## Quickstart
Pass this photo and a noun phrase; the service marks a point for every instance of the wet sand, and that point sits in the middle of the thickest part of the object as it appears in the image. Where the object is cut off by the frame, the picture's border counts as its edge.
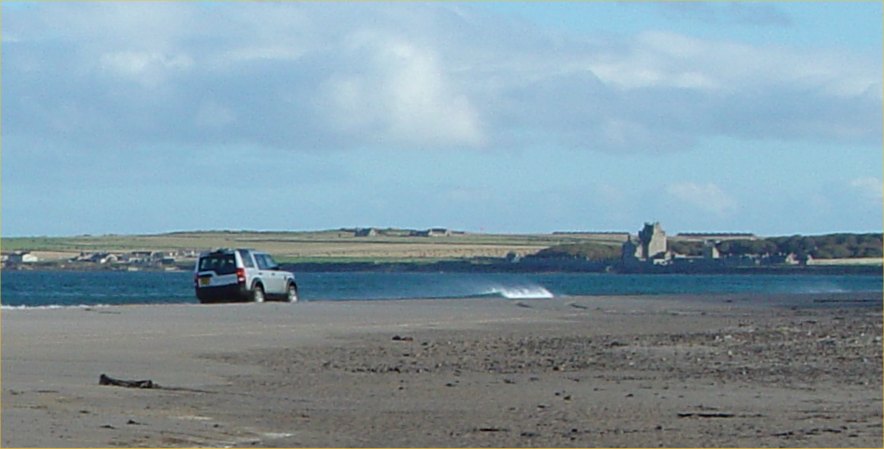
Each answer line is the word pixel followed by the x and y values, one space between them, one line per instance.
pixel 580 371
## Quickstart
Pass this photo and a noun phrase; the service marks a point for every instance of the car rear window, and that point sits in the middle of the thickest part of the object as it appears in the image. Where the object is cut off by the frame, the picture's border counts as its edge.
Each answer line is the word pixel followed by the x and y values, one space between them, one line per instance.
pixel 246 257
pixel 219 263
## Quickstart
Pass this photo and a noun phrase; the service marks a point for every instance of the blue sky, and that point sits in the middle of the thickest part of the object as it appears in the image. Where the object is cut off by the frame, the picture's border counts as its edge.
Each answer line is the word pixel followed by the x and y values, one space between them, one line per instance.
pixel 149 117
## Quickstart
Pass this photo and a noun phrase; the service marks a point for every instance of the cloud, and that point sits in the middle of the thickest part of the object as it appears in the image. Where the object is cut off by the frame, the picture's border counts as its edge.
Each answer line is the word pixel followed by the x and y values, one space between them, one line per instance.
pixel 656 59
pixel 403 96
pixel 308 77
pixel 145 68
pixel 869 188
pixel 706 197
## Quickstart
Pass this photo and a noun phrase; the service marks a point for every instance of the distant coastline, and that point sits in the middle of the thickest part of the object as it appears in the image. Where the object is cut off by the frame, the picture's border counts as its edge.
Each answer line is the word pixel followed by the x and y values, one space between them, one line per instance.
pixel 649 251
pixel 490 266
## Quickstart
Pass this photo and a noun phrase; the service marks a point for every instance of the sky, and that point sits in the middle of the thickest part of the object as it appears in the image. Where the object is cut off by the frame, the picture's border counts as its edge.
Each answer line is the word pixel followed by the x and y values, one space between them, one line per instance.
pixel 152 117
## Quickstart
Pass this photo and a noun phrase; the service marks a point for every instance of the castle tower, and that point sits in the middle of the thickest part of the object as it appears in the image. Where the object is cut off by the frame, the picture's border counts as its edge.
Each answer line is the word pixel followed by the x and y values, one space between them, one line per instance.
pixel 652 239
pixel 710 251
pixel 630 253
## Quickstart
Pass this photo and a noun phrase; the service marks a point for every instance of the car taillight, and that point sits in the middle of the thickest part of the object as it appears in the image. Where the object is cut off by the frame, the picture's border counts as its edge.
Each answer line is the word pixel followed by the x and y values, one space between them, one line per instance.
pixel 241 275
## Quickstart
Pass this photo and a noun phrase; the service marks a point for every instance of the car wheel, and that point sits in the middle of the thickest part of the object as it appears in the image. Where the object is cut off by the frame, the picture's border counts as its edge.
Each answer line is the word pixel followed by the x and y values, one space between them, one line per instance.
pixel 291 293
pixel 258 293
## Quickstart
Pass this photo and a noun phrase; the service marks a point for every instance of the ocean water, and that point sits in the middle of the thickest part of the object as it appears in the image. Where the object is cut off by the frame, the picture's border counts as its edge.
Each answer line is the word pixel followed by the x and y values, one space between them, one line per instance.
pixel 66 288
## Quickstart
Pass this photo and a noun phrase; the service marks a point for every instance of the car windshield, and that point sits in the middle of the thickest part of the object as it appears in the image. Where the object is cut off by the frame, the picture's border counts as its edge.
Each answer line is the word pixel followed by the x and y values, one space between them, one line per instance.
pixel 219 263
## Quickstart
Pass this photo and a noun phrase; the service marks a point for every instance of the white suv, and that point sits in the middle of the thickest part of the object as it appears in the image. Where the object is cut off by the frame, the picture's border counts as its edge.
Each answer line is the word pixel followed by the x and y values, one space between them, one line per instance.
pixel 227 275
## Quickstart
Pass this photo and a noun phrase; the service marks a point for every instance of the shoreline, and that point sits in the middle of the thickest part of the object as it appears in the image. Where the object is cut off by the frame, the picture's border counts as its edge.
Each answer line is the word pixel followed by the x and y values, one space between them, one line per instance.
pixel 568 371
pixel 754 299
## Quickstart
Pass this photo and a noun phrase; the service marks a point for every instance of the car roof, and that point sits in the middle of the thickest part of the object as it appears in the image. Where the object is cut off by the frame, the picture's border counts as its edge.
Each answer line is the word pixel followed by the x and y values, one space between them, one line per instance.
pixel 226 251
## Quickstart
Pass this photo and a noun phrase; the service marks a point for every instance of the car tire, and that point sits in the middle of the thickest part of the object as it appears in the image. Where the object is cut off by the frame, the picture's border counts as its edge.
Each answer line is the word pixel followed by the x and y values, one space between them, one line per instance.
pixel 258 294
pixel 291 293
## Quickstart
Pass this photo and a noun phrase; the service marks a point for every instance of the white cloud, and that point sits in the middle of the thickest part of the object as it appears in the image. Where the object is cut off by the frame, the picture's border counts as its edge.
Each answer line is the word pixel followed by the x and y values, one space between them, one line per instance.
pixel 267 53
pixel 869 187
pixel 425 106
pixel 707 197
pixel 146 68
pixel 656 59
pixel 403 94
pixel 666 59
pixel 302 76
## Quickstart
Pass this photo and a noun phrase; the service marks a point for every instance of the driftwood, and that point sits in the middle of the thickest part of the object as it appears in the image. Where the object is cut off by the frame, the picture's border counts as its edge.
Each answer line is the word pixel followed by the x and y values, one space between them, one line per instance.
pixel 107 380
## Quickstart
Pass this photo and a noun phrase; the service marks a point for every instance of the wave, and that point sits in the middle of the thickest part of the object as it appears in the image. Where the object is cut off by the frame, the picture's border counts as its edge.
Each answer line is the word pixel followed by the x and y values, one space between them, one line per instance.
pixel 506 292
pixel 532 292
pixel 819 288
pixel 53 306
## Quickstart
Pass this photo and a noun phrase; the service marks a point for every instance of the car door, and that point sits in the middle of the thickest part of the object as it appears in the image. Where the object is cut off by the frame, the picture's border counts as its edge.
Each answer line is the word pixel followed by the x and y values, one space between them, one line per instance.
pixel 279 284
pixel 274 282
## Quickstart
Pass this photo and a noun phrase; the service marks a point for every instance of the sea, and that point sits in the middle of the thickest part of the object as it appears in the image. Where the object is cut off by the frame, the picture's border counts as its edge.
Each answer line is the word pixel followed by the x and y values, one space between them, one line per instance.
pixel 52 289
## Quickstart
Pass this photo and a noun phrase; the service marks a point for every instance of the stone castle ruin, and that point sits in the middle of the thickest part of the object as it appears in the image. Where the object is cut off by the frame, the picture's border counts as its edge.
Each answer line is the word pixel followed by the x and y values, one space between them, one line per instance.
pixel 648 251
pixel 650 245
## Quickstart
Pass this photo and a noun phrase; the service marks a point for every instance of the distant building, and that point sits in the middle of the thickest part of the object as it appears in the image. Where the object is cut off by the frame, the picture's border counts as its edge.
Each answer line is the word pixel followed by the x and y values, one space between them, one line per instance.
pixel 710 250
pixel 784 259
pixel 629 252
pixel 651 246
pixel 434 232
pixel 653 241
pixel 365 232
pixel 21 257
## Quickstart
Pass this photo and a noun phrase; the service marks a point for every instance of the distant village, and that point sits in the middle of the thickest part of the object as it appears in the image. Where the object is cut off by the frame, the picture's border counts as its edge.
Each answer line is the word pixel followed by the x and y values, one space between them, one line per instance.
pixel 432 232
pixel 172 260
pixel 132 261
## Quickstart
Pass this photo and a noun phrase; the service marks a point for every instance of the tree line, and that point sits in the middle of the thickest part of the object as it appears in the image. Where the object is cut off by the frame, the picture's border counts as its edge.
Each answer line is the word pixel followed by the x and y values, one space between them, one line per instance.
pixel 828 246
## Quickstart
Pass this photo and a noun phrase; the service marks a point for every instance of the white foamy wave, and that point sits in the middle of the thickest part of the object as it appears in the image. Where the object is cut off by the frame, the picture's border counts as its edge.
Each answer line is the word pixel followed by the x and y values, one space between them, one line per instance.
pixel 53 306
pixel 820 288
pixel 533 292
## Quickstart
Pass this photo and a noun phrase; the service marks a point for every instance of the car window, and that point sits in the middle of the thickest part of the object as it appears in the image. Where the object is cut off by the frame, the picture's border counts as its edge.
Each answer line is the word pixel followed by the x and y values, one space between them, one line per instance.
pixel 221 264
pixel 262 261
pixel 265 262
pixel 246 257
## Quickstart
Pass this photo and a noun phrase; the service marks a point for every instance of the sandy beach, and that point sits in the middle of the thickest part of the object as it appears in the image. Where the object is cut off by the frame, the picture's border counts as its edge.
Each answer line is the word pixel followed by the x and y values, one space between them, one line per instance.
pixel 577 371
